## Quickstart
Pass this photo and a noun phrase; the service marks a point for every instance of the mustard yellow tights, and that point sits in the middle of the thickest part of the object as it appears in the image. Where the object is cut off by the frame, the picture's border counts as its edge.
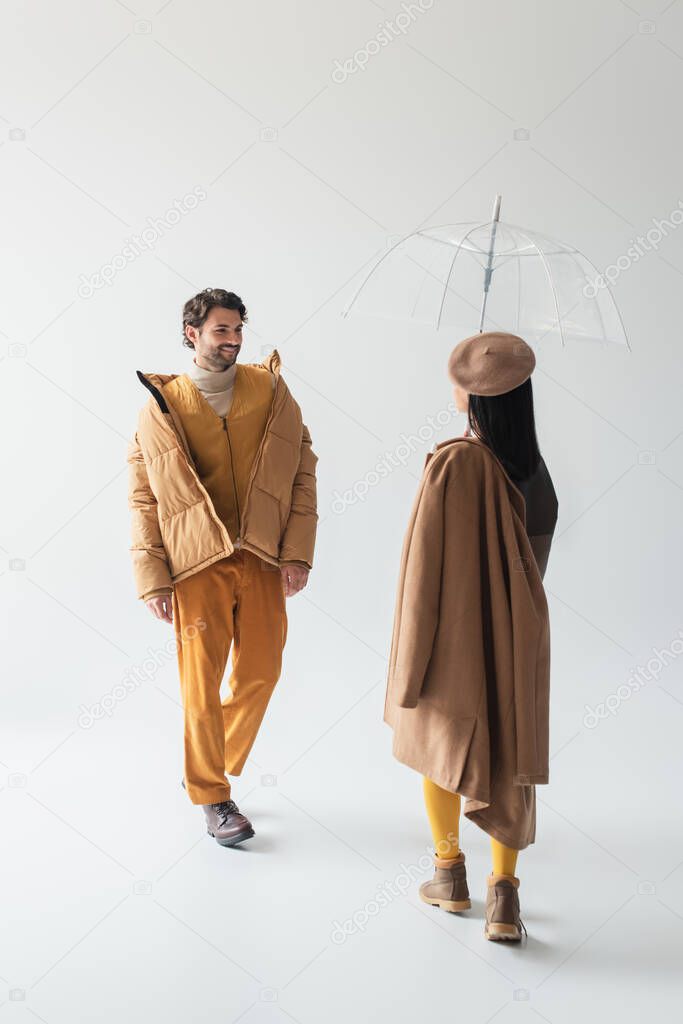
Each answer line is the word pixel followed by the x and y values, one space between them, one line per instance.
pixel 443 811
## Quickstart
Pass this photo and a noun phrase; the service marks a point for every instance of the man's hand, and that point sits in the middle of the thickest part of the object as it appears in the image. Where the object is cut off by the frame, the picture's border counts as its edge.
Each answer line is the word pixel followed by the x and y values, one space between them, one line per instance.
pixel 294 578
pixel 162 607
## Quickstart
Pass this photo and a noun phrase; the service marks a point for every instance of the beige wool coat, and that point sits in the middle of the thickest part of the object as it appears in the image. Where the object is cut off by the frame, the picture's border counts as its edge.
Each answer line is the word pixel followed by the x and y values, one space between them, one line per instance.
pixel 469 667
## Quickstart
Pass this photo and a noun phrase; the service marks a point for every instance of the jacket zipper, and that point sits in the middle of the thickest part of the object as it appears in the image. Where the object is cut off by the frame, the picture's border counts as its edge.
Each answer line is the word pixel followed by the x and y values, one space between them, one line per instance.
pixel 234 482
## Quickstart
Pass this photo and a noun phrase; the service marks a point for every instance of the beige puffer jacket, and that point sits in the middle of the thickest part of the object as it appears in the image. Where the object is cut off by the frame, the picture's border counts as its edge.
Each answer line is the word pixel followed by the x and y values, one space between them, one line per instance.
pixel 175 529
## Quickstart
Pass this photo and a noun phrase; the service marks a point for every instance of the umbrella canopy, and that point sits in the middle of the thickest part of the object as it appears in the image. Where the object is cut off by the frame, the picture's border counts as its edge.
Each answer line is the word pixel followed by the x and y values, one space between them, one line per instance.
pixel 491 276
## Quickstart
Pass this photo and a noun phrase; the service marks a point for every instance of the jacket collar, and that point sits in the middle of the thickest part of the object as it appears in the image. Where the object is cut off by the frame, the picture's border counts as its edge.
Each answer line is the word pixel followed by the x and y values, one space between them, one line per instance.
pixel 154 382
pixel 147 381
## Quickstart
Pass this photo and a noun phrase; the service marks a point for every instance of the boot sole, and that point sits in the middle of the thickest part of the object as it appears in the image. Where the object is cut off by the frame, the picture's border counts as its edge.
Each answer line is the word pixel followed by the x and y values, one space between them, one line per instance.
pixel 502 933
pixel 453 906
pixel 234 840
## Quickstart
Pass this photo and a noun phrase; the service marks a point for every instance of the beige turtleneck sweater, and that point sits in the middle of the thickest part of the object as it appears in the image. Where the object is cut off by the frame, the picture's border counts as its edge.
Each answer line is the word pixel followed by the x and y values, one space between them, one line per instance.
pixel 216 386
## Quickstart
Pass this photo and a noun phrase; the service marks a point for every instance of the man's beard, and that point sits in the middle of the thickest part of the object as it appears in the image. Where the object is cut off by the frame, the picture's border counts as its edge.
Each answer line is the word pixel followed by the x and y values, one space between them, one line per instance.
pixel 223 360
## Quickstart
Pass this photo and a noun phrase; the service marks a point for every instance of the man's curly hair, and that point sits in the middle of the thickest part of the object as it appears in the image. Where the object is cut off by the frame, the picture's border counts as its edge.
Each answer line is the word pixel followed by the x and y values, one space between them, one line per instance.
pixel 197 309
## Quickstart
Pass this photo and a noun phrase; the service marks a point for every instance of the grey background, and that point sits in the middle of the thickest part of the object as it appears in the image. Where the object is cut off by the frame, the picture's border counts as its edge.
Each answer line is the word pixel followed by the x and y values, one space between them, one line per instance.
pixel 114 901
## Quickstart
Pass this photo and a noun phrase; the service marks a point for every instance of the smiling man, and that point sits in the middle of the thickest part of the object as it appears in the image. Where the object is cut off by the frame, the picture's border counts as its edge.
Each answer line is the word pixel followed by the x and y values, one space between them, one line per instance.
pixel 223 499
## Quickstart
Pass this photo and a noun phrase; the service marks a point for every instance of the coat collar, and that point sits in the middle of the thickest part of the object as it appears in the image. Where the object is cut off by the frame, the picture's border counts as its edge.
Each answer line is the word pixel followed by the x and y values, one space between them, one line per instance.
pixel 518 497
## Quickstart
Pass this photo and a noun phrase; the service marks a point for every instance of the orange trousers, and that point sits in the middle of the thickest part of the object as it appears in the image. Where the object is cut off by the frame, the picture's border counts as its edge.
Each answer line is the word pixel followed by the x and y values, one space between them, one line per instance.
pixel 238 601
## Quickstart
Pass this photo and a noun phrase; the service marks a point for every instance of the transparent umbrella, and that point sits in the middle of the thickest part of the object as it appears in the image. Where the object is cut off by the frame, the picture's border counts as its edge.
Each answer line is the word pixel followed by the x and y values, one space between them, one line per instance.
pixel 491 276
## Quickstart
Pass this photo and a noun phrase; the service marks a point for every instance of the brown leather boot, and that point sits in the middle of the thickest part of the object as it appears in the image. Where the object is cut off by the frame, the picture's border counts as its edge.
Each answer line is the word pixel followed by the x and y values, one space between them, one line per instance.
pixel 225 823
pixel 448 888
pixel 503 922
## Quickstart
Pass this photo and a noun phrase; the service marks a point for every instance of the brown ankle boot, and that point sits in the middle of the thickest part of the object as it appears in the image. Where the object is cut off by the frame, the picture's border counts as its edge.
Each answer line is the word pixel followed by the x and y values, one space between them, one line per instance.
pixel 225 823
pixel 502 909
pixel 448 888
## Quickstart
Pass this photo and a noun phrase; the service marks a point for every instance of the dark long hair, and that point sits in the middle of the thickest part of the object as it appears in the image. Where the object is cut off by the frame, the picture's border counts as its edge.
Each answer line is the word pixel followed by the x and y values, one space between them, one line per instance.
pixel 506 424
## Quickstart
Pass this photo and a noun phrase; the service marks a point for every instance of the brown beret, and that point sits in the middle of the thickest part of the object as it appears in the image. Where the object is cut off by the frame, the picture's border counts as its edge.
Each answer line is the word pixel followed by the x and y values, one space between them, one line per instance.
pixel 491 363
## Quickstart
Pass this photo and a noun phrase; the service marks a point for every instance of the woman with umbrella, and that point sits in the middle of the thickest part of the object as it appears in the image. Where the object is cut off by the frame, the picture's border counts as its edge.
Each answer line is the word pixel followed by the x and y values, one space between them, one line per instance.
pixel 468 683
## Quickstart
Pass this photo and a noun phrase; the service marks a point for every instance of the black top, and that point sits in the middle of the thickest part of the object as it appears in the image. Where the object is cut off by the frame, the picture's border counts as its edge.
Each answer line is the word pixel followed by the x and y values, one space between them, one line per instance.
pixel 541 512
